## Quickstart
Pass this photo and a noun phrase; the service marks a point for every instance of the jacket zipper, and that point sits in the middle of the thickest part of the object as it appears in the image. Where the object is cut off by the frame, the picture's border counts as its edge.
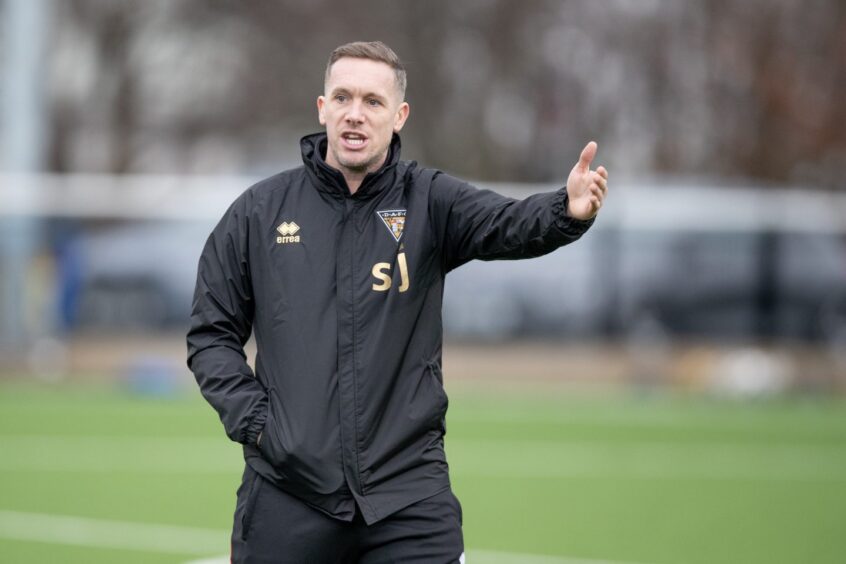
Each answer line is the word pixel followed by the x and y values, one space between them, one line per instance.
pixel 350 209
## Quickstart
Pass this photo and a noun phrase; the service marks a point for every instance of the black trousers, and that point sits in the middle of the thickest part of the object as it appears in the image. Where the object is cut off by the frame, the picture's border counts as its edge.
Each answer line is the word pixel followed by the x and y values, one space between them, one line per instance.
pixel 274 527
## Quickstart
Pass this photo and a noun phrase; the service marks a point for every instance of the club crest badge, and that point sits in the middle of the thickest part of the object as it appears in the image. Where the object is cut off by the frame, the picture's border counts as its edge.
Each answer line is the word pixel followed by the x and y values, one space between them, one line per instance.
pixel 394 220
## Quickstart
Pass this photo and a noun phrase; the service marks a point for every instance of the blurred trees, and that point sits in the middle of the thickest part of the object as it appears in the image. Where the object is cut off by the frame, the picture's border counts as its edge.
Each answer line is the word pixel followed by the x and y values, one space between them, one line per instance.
pixel 500 90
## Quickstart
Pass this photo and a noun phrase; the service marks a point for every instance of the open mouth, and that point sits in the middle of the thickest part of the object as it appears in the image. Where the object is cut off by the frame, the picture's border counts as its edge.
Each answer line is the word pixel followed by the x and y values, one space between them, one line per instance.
pixel 353 140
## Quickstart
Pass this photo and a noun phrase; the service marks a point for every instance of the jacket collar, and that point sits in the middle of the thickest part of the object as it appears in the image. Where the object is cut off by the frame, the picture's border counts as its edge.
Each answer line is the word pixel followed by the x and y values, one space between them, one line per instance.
pixel 331 180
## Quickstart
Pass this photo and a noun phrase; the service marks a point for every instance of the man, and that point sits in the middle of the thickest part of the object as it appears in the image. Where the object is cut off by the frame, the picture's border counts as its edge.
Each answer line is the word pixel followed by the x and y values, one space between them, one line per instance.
pixel 338 267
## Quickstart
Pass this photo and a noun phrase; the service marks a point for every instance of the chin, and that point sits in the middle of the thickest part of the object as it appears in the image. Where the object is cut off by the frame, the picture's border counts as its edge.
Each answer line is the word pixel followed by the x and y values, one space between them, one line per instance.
pixel 357 165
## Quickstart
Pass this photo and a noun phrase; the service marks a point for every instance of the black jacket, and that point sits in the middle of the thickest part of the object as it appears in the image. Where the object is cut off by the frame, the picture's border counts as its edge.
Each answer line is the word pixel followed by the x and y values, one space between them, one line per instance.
pixel 344 295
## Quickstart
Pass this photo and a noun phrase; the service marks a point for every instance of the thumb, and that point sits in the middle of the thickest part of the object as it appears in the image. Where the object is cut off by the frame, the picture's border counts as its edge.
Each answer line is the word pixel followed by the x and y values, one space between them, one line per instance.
pixel 588 153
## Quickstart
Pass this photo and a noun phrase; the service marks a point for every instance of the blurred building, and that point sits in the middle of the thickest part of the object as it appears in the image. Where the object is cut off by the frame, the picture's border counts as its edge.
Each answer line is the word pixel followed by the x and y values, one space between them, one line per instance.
pixel 128 126
pixel 499 91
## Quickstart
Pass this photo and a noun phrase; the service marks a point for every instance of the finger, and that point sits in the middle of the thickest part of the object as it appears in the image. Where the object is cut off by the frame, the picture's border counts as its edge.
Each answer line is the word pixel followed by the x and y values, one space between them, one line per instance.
pixel 595 204
pixel 599 181
pixel 602 172
pixel 596 191
pixel 588 153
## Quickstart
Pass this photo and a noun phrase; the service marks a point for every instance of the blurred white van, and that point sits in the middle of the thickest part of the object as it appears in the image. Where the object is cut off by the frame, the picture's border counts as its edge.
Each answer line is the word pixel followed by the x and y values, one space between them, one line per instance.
pixel 674 257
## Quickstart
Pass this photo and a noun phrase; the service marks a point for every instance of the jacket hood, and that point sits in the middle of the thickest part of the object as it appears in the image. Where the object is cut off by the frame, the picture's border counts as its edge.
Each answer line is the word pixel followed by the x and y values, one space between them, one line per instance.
pixel 331 180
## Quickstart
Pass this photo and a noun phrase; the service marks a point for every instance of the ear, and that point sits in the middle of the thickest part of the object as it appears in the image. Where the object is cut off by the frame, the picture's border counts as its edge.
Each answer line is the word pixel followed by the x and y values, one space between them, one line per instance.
pixel 321 106
pixel 401 115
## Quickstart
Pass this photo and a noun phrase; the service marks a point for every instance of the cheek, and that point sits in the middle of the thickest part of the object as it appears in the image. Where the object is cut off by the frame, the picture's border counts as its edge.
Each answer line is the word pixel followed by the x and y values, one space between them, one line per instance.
pixel 388 125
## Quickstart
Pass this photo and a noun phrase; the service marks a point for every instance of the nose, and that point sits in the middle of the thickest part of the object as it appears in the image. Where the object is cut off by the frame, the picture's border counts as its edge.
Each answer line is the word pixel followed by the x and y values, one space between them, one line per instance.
pixel 355 116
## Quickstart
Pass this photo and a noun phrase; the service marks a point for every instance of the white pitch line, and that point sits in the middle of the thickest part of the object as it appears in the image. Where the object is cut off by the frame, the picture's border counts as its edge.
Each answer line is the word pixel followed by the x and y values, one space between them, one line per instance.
pixel 497 557
pixel 106 533
pixel 552 459
pixel 485 557
pixel 148 537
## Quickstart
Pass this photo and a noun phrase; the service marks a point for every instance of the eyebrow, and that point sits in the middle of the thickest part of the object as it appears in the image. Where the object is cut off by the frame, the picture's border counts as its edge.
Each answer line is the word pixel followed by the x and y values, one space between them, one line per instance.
pixel 343 90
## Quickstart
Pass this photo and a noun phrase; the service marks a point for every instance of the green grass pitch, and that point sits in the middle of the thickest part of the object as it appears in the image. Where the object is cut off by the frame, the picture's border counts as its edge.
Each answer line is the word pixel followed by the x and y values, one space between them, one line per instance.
pixel 654 479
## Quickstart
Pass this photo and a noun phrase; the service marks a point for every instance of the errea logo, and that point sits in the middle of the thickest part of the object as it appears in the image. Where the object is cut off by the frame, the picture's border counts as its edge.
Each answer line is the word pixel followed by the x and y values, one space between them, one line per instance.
pixel 288 232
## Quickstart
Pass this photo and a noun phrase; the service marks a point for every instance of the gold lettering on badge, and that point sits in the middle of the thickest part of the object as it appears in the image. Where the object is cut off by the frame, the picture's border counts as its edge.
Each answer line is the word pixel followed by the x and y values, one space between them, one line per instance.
pixel 378 273
pixel 381 271
pixel 403 272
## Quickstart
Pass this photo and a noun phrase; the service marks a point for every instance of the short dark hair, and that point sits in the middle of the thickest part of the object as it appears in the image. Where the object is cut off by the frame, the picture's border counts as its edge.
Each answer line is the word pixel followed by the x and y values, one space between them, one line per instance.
pixel 375 51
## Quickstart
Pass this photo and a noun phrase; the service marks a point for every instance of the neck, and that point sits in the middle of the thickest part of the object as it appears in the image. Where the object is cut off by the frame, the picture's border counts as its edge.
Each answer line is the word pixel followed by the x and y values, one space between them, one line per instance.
pixel 353 178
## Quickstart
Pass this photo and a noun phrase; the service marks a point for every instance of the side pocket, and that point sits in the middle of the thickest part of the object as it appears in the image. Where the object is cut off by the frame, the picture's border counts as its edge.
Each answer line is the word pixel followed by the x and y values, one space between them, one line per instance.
pixel 266 442
pixel 460 509
pixel 270 447
pixel 443 400
pixel 250 505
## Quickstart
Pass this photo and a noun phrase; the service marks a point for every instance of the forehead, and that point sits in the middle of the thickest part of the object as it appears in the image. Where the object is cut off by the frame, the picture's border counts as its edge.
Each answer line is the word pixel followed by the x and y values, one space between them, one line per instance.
pixel 362 75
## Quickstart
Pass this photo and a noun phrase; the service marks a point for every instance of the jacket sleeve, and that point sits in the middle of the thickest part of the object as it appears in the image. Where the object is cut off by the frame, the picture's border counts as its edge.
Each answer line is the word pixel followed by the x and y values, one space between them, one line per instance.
pixel 482 224
pixel 220 325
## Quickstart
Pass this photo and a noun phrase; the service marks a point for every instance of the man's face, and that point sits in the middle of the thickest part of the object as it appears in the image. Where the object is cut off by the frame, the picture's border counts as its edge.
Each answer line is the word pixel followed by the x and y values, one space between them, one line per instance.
pixel 361 110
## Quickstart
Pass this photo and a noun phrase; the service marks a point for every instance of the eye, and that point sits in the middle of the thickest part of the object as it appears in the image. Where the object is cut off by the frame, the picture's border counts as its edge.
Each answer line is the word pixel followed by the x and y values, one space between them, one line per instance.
pixel 340 97
pixel 374 102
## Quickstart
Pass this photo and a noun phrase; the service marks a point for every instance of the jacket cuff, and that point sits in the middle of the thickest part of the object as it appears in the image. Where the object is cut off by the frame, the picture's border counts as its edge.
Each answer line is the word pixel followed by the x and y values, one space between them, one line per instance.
pixel 563 221
pixel 257 419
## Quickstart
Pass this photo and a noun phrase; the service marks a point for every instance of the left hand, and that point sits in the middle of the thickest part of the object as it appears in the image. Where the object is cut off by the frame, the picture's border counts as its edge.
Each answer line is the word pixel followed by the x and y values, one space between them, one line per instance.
pixel 586 188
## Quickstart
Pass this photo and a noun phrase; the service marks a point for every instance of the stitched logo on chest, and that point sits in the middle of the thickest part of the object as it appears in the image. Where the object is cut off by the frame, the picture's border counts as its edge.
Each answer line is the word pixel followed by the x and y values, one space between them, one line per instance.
pixel 288 232
pixel 394 220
